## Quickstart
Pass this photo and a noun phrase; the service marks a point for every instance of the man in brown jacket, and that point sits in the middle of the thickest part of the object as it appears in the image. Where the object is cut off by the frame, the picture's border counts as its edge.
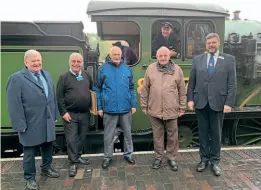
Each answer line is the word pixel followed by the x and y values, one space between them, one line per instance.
pixel 163 98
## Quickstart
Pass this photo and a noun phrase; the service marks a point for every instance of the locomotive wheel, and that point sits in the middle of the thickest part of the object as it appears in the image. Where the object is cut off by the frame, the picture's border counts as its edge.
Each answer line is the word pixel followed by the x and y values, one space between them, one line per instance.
pixel 246 132
pixel 188 135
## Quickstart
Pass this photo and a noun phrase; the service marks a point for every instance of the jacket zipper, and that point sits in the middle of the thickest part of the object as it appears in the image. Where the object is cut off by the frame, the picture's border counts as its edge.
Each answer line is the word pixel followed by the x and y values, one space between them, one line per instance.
pixel 162 96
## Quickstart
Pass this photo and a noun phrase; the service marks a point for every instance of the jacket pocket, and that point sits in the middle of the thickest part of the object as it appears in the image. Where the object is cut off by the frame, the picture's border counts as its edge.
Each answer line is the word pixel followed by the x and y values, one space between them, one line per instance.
pixel 223 96
pixel 195 95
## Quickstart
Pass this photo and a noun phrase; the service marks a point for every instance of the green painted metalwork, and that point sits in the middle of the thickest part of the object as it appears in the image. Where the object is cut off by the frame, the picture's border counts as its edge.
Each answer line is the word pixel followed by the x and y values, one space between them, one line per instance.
pixel 54 62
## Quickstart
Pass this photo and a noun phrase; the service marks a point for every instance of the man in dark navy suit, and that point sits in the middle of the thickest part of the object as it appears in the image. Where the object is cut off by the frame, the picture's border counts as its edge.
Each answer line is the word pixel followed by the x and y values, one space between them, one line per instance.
pixel 211 91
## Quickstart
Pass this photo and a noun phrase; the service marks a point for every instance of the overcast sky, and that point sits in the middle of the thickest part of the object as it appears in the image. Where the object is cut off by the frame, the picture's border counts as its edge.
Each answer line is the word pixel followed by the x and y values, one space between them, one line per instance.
pixel 75 10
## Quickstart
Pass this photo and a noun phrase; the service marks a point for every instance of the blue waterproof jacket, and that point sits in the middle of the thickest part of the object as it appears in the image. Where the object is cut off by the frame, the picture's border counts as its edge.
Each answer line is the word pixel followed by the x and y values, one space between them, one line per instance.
pixel 115 88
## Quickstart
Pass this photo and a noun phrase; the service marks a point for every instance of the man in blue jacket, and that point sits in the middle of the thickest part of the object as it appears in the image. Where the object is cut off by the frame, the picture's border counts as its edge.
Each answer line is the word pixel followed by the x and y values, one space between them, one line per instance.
pixel 116 99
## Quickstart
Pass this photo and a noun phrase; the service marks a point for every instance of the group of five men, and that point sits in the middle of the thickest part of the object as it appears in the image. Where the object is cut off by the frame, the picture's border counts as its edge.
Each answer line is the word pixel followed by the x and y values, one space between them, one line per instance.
pixel 34 106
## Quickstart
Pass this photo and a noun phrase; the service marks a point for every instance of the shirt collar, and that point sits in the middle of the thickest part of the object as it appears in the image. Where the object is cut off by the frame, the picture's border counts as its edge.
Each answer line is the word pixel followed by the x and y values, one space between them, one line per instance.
pixel 33 73
pixel 80 73
pixel 215 54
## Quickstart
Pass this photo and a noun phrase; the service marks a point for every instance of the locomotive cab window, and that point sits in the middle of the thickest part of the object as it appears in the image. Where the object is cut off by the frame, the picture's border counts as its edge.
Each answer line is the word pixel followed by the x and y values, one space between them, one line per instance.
pixel 125 35
pixel 196 37
pixel 165 33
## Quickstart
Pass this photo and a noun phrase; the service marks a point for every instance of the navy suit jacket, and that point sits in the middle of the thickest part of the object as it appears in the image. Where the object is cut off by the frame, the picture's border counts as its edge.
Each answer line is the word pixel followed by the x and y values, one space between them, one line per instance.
pixel 217 90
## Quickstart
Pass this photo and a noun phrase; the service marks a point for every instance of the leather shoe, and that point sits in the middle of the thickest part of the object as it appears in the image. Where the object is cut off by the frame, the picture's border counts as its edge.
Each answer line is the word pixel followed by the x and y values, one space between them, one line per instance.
pixel 83 161
pixel 130 160
pixel 50 173
pixel 156 164
pixel 106 162
pixel 173 165
pixel 216 170
pixel 31 185
pixel 202 166
pixel 73 170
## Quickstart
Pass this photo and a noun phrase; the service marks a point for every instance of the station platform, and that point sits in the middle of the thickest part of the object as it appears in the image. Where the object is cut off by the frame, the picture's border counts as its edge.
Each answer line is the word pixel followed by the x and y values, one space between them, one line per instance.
pixel 241 170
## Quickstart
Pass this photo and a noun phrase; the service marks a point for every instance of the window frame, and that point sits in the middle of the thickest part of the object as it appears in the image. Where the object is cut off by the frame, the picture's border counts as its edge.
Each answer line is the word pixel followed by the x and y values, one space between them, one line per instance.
pixel 195 21
pixel 179 21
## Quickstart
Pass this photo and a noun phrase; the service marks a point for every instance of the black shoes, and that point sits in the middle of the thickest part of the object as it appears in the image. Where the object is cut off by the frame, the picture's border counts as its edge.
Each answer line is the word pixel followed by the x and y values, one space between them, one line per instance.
pixel 130 160
pixel 73 170
pixel 202 166
pixel 173 165
pixel 106 162
pixel 83 161
pixel 216 169
pixel 31 185
pixel 50 173
pixel 156 164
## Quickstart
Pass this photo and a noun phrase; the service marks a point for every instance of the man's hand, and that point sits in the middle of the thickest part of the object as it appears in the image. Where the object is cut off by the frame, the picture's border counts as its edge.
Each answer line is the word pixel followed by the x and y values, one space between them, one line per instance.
pixel 67 117
pixel 181 113
pixel 133 110
pixel 173 53
pixel 100 113
pixel 191 105
pixel 227 109
pixel 21 131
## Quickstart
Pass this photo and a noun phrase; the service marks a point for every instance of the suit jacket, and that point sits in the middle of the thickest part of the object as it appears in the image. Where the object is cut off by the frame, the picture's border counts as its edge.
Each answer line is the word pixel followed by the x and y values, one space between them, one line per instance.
pixel 30 109
pixel 217 90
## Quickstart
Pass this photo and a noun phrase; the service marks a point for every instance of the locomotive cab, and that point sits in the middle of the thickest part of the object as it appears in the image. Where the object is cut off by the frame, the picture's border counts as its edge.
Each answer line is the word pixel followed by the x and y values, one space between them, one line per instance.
pixel 139 23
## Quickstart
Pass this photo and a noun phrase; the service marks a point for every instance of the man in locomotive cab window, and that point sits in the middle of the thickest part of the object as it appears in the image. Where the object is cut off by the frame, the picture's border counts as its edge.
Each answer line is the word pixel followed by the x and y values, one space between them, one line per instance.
pixel 33 111
pixel 211 92
pixel 166 38
pixel 128 54
pixel 74 102
pixel 163 99
pixel 116 101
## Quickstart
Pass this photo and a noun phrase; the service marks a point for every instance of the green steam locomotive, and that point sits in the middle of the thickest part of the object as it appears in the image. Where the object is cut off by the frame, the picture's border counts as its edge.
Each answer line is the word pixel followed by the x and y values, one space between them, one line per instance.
pixel 137 23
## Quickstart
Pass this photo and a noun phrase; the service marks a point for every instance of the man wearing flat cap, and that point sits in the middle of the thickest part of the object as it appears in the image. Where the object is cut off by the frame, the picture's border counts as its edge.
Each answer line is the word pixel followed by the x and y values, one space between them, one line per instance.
pixel 168 39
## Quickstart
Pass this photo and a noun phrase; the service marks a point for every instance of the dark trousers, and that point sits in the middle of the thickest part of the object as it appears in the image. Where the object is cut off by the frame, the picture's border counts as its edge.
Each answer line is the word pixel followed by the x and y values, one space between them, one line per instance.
pixel 75 135
pixel 29 159
pixel 158 129
pixel 210 125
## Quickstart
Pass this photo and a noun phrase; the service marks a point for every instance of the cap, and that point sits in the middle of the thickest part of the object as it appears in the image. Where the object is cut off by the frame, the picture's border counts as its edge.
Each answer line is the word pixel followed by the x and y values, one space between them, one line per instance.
pixel 118 43
pixel 166 24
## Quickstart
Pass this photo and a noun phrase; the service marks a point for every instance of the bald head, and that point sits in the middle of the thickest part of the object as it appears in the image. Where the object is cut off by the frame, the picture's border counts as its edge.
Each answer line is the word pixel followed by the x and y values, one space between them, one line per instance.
pixel 76 62
pixel 163 55
pixel 115 54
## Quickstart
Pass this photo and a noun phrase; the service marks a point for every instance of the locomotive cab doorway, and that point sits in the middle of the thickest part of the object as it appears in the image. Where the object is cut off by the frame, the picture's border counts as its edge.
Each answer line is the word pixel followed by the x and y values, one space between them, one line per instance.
pixel 124 34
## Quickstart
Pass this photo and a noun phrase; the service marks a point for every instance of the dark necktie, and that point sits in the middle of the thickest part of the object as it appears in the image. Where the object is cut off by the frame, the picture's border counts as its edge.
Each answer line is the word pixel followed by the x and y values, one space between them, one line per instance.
pixel 211 65
pixel 38 79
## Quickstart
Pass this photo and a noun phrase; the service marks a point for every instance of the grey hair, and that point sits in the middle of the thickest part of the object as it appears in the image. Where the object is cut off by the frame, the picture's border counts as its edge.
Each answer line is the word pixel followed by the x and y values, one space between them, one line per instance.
pixel 30 52
pixel 75 54
pixel 213 35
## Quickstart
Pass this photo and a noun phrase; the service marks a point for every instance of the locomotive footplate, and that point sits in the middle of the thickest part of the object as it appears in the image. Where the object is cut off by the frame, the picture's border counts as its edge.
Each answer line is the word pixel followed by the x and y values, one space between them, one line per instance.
pixel 237 113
